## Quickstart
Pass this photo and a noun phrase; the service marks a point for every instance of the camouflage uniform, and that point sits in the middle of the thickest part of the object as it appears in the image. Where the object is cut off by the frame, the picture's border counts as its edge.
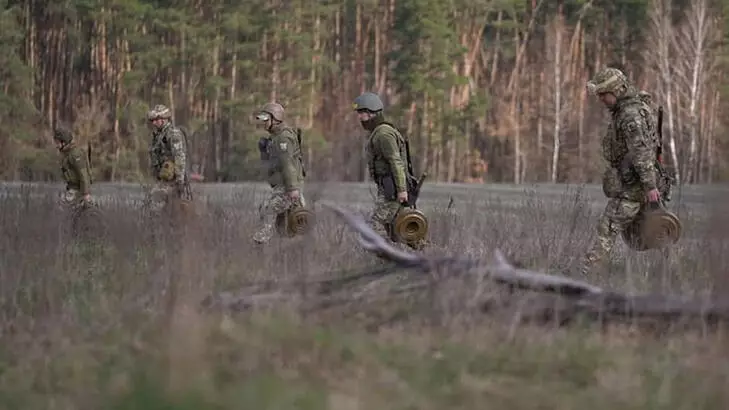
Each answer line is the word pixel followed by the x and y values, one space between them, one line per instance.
pixel 281 153
pixel 74 167
pixel 168 159
pixel 629 147
pixel 387 163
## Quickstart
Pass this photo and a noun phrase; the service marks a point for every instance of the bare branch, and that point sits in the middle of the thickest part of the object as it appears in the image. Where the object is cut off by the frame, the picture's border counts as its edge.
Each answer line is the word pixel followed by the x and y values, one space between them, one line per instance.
pixel 373 242
pixel 580 297
pixel 499 271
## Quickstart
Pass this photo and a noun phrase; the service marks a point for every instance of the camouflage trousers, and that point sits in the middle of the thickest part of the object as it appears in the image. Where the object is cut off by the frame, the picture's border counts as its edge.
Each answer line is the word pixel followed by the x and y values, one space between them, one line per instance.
pixel 159 194
pixel 618 214
pixel 278 202
pixel 382 216
pixel 71 199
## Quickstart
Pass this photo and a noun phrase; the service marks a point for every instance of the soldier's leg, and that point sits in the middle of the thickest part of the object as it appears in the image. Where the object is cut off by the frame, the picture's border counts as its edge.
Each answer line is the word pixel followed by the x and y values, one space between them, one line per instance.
pixel 277 203
pixel 420 245
pixel 617 215
pixel 157 196
pixel 382 215
pixel 69 198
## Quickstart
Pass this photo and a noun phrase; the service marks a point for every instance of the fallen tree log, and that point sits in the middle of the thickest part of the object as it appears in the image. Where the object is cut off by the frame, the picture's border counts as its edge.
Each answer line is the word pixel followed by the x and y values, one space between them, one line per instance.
pixel 575 297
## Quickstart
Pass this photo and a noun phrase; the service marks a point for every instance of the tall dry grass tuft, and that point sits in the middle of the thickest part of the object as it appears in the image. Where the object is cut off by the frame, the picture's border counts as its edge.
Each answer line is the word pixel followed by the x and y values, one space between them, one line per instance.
pixel 121 323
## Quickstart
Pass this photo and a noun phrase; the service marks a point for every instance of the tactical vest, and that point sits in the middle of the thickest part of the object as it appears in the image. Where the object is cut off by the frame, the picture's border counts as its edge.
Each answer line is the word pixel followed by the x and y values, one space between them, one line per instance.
pixel 274 161
pixel 614 146
pixel 67 167
pixel 161 151
pixel 377 166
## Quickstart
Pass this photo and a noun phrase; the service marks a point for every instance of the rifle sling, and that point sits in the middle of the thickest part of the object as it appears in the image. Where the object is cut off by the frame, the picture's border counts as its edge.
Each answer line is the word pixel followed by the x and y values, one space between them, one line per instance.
pixel 88 163
pixel 659 150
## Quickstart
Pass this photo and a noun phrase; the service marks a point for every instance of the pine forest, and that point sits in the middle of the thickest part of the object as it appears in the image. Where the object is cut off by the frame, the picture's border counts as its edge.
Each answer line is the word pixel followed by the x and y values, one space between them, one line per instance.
pixel 485 90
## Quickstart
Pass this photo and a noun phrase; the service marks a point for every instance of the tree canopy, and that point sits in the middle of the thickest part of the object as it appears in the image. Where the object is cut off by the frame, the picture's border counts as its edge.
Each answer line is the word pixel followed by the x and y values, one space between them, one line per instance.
pixel 486 90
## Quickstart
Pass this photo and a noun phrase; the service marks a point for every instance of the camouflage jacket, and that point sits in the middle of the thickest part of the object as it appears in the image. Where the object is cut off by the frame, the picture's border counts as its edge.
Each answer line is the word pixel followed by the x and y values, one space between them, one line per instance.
pixel 387 156
pixel 285 166
pixel 630 144
pixel 74 168
pixel 168 144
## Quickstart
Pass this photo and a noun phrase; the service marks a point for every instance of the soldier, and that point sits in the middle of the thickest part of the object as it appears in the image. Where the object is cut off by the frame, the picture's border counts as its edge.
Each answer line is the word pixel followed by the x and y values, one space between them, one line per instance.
pixel 74 167
pixel 630 149
pixel 168 157
pixel 387 160
pixel 281 153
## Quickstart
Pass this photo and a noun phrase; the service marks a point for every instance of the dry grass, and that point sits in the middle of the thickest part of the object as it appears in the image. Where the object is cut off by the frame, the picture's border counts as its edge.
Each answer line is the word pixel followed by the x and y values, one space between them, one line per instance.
pixel 118 324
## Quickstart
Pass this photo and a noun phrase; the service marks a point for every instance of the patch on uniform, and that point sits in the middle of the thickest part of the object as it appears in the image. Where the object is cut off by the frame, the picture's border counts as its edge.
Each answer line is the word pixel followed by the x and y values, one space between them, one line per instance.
pixel 631 127
pixel 283 146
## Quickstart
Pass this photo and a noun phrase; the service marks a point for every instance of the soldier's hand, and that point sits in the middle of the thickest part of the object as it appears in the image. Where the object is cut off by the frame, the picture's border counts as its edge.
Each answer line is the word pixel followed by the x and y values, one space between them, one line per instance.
pixel 87 197
pixel 294 194
pixel 402 197
pixel 653 195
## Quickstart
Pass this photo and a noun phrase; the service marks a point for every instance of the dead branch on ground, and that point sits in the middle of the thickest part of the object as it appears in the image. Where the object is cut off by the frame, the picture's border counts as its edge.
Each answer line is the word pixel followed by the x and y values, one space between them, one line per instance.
pixel 574 297
pixel 548 298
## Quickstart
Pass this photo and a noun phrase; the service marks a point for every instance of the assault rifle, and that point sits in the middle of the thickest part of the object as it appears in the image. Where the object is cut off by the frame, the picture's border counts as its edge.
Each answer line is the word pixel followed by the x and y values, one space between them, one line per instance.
pixel 413 183
pixel 186 189
pixel 659 150
pixel 301 152
pixel 414 186
pixel 665 178
pixel 88 163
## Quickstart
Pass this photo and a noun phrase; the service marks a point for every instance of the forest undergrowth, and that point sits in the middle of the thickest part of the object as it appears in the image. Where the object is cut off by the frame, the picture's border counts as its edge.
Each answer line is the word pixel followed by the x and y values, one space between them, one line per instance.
pixel 120 323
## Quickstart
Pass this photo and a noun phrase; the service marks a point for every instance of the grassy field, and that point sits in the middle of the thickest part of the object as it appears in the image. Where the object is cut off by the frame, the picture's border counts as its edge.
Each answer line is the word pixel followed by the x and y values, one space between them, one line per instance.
pixel 119 323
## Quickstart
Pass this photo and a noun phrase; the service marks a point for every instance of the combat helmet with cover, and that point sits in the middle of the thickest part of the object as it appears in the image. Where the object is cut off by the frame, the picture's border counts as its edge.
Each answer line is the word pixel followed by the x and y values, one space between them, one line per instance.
pixel 608 80
pixel 368 101
pixel 271 110
pixel 159 111
pixel 63 134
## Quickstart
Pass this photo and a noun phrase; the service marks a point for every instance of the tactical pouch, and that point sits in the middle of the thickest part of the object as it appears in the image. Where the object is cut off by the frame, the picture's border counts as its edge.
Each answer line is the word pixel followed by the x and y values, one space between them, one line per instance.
pixel 388 187
pixel 611 183
pixel 167 172
pixel 263 143
pixel 628 174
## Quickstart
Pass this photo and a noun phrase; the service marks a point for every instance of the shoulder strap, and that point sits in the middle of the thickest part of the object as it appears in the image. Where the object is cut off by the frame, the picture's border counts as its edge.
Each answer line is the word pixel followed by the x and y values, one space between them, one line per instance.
pixel 301 151
pixel 88 162
pixel 659 134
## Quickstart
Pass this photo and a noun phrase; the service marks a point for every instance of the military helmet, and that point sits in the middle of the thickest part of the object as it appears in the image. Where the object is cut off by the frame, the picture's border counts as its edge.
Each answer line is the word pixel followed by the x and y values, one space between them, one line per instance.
pixel 608 80
pixel 271 110
pixel 368 101
pixel 62 134
pixel 159 111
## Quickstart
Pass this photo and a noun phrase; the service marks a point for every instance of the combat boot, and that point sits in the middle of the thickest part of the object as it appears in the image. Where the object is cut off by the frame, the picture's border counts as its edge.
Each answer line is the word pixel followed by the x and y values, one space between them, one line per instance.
pixel 263 235
pixel 419 246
